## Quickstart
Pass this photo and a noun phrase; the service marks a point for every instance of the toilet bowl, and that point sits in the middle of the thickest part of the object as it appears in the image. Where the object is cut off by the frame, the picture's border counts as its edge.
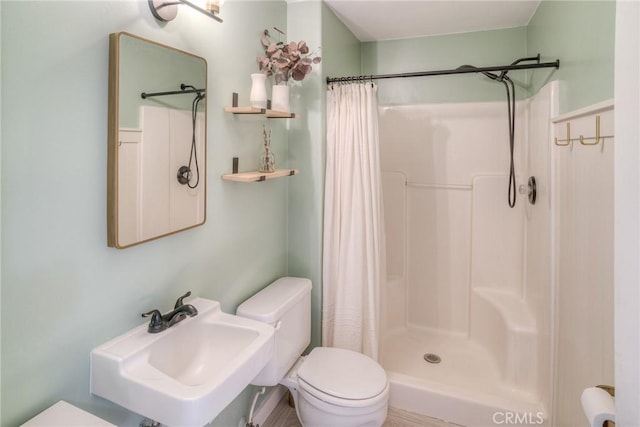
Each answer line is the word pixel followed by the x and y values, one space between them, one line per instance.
pixel 330 386
pixel 337 387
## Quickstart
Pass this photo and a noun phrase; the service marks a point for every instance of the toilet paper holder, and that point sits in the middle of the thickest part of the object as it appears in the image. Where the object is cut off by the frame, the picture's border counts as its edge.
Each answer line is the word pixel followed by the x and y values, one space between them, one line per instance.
pixel 609 389
pixel 612 391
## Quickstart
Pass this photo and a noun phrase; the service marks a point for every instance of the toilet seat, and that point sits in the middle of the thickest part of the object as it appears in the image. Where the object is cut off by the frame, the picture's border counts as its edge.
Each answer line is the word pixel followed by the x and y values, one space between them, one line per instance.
pixel 304 387
pixel 342 377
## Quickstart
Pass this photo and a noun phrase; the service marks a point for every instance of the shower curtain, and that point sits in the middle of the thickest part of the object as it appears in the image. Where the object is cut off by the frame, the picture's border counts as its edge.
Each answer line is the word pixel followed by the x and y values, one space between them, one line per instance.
pixel 353 257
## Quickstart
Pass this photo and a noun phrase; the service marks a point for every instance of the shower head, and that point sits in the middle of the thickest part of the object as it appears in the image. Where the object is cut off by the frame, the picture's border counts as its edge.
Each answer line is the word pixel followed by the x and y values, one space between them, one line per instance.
pixel 493 76
pixel 486 73
pixel 503 74
pixel 502 77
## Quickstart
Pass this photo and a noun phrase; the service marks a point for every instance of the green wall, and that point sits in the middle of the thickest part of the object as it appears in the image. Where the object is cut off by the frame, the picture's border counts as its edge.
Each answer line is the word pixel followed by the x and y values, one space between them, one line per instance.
pixel 445 52
pixel 306 151
pixel 63 290
pixel 0 210
pixel 313 22
pixel 342 56
pixel 581 34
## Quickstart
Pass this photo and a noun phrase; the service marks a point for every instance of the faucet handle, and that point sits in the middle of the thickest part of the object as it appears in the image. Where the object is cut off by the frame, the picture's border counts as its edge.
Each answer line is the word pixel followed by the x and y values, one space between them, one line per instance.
pixel 180 302
pixel 157 323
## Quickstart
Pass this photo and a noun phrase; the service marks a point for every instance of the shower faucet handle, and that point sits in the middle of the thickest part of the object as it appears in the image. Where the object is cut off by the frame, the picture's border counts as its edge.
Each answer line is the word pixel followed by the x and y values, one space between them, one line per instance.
pixel 180 301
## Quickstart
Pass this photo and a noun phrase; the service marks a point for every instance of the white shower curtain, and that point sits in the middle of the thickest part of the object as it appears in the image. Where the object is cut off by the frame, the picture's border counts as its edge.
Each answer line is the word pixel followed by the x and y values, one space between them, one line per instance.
pixel 353 258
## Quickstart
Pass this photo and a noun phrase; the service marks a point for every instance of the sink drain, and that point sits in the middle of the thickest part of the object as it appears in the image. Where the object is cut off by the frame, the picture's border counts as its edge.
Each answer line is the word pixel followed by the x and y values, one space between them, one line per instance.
pixel 432 358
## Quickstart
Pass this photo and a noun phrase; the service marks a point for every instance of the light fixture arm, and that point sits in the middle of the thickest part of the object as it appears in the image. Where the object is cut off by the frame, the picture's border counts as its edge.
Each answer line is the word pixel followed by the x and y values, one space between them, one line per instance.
pixel 201 10
pixel 166 10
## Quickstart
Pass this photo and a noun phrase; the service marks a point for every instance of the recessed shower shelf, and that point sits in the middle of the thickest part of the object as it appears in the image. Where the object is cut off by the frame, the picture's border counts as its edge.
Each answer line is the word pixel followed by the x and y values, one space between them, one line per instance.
pixel 255 176
pixel 270 114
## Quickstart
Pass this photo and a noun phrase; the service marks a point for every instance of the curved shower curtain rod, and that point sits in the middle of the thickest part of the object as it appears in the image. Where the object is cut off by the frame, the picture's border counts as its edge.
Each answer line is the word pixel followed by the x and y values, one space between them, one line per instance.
pixel 460 70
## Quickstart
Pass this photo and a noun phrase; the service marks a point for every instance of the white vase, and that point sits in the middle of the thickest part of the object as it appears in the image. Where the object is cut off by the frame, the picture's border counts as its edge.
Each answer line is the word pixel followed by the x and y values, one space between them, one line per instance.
pixel 258 94
pixel 280 98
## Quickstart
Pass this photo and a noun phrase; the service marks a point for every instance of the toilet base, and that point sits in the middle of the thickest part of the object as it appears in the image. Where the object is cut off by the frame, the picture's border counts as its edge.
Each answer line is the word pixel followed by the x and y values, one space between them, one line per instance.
pixel 313 412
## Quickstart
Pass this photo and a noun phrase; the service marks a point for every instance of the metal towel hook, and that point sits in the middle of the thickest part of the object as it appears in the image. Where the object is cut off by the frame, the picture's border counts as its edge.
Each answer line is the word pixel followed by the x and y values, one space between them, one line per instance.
pixel 565 141
pixel 597 138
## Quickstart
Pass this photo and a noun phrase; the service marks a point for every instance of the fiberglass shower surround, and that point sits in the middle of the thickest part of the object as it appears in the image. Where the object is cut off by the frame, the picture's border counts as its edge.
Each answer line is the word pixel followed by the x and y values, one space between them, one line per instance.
pixel 465 286
pixel 490 73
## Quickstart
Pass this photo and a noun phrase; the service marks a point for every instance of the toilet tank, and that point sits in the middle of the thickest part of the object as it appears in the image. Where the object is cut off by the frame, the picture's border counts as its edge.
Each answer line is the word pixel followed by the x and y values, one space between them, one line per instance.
pixel 286 305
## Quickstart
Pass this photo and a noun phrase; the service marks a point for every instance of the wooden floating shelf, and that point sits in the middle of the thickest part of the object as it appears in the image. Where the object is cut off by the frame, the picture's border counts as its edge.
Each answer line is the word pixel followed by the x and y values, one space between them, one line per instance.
pixel 255 176
pixel 271 114
pixel 245 110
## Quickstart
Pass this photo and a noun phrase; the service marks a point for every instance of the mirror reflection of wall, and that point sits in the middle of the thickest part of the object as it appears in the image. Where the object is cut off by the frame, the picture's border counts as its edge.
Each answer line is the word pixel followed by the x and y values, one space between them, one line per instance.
pixel 151 139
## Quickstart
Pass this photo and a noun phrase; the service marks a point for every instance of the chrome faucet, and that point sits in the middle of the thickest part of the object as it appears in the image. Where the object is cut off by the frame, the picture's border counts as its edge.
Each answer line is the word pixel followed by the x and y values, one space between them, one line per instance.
pixel 159 322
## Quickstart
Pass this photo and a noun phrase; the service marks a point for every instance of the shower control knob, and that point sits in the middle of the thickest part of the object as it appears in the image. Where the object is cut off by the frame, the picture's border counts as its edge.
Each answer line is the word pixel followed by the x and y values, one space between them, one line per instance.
pixel 532 190
pixel 184 175
pixel 529 189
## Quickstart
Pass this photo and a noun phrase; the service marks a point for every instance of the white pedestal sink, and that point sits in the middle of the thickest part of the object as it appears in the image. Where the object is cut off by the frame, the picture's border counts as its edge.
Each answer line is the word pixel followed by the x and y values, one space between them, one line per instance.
pixel 187 374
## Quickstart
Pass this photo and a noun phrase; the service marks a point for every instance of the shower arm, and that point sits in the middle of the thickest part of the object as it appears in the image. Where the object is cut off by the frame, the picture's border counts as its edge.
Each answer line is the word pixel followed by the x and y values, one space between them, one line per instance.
pixel 517 61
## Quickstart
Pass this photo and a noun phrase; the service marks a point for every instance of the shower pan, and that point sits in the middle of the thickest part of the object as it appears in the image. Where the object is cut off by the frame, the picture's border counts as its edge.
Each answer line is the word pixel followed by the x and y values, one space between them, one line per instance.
pixel 467 306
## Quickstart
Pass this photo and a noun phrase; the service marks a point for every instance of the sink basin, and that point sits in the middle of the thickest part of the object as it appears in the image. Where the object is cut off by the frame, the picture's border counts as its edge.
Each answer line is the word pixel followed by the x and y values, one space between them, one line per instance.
pixel 187 374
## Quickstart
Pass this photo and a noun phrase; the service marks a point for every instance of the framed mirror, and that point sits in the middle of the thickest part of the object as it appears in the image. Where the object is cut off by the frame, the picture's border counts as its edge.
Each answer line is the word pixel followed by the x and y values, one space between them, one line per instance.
pixel 156 172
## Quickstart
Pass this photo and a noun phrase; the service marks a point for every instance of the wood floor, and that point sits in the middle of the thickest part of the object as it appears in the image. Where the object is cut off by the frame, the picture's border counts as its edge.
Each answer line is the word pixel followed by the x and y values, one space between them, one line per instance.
pixel 285 416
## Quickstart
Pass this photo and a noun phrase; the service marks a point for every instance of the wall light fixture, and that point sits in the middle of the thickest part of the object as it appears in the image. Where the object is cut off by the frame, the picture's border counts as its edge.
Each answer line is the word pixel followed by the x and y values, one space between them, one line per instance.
pixel 166 10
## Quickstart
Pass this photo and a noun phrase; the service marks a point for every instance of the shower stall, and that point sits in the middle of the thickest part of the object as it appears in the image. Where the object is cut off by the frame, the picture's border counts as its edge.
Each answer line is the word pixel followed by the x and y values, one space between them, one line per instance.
pixel 466 314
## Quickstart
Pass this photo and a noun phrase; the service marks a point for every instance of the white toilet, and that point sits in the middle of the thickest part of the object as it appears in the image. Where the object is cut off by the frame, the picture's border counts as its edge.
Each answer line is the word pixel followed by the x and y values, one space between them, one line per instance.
pixel 331 386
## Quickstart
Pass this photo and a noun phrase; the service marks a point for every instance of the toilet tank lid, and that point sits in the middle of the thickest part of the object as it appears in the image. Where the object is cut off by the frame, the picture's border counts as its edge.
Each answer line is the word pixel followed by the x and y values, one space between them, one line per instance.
pixel 273 301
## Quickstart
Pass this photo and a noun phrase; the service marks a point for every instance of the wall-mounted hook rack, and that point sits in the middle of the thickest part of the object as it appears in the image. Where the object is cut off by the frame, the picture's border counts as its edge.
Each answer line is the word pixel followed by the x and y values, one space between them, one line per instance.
pixel 580 122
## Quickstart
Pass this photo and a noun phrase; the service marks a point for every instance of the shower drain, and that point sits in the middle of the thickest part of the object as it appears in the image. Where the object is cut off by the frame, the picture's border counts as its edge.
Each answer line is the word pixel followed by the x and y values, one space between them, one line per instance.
pixel 432 358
